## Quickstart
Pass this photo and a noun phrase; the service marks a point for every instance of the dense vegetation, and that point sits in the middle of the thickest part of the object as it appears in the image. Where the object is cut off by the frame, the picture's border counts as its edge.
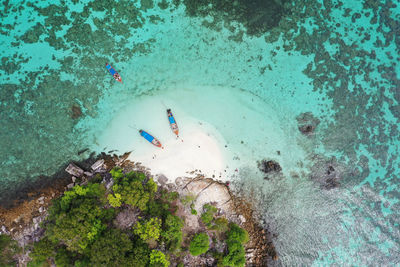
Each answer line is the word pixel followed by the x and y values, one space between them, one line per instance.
pixel 84 228
pixel 8 248
pixel 199 244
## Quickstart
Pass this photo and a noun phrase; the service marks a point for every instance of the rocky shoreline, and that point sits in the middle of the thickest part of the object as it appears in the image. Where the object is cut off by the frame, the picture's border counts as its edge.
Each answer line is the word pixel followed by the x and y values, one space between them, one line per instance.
pixel 22 221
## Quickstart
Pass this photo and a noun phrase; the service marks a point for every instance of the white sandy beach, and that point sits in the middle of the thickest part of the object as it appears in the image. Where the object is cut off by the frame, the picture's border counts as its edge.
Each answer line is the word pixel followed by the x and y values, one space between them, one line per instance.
pixel 223 129
pixel 198 150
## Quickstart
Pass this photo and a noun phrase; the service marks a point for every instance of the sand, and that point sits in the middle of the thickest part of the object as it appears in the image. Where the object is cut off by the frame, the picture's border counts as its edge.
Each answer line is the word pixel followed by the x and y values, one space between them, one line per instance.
pixel 198 150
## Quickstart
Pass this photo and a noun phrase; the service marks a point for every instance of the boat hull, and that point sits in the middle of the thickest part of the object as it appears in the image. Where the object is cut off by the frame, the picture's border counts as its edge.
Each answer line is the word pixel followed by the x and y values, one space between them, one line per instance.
pixel 172 122
pixel 114 73
pixel 151 139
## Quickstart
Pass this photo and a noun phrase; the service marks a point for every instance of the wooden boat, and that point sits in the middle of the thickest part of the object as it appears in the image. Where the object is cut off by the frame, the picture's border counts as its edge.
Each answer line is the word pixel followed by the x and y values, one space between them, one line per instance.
pixel 150 138
pixel 172 122
pixel 114 73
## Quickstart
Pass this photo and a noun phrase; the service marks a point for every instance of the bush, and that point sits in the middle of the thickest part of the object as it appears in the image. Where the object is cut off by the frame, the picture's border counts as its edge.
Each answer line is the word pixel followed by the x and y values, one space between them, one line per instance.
pixel 237 234
pixel 115 201
pixel 208 215
pixel 148 231
pixel 8 249
pixel 172 235
pixel 158 259
pixel 132 188
pixel 110 249
pixel 199 244
pixel 220 225
pixel 78 218
pixel 42 250
pixel 236 237
pixel 235 256
pixel 188 199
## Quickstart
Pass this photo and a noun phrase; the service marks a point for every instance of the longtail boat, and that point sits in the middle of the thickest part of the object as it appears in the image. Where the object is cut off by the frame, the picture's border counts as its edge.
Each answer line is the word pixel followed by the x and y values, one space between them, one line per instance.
pixel 114 73
pixel 172 122
pixel 150 138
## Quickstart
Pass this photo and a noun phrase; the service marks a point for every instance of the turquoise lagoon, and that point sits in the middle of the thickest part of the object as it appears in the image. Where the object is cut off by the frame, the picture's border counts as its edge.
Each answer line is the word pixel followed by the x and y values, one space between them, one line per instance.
pixel 247 69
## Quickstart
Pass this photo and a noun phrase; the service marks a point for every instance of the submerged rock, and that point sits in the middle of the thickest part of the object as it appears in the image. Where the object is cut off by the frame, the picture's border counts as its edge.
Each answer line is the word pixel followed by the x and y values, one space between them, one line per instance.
pixel 327 172
pixel 307 123
pixel 269 167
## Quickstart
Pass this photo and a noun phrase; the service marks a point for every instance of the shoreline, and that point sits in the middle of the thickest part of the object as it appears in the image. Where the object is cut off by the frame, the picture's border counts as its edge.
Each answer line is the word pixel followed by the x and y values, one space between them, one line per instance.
pixel 25 217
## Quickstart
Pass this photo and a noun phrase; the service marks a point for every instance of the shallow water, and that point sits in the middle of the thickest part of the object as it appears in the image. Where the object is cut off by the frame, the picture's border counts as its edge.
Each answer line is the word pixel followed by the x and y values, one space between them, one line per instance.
pixel 337 60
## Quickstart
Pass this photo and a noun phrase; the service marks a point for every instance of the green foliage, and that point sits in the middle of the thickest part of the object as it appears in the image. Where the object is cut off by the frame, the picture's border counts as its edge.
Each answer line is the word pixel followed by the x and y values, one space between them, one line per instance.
pixel 149 230
pixel 34 263
pixel 167 196
pixel 42 250
pixel 237 234
pixel 117 174
pixel 96 179
pixel 199 244
pixel 63 258
pixel 157 208
pixel 8 249
pixel 80 192
pixel 188 199
pixel 208 214
pixel 236 237
pixel 235 256
pixel 111 249
pixel 115 201
pixel 220 225
pixel 133 189
pixel 172 235
pixel 158 259
pixel 78 218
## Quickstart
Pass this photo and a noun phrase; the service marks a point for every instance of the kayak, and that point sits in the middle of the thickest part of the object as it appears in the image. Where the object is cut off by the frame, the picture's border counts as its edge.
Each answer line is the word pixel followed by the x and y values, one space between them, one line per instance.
pixel 114 73
pixel 172 122
pixel 150 138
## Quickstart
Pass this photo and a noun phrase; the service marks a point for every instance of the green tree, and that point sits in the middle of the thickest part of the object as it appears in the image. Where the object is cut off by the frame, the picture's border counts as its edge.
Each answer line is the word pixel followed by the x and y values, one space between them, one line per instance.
pixel 78 218
pixel 235 256
pixel 172 234
pixel 208 215
pixel 237 234
pixel 133 189
pixel 112 248
pixel 8 249
pixel 64 258
pixel 236 237
pixel 158 259
pixel 220 224
pixel 42 250
pixel 115 201
pixel 150 230
pixel 199 244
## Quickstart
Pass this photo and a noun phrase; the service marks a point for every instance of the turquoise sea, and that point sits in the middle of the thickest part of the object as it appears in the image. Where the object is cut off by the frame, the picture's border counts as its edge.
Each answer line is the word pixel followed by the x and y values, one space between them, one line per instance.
pixel 254 71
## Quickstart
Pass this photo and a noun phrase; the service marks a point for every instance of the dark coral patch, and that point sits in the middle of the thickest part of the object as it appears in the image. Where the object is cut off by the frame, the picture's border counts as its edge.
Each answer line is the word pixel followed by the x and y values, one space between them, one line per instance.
pixel 258 16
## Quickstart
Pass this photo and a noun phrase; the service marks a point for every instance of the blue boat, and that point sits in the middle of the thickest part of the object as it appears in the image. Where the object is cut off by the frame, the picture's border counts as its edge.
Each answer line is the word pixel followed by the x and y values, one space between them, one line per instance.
pixel 114 73
pixel 150 138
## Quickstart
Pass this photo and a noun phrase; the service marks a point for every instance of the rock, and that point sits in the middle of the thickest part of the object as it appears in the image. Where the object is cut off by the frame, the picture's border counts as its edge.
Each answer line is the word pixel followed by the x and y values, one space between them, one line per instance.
pixel 88 174
pixel 69 186
pixel 73 179
pixel 41 209
pixel 307 123
pixel 3 230
pixel 97 165
pixel 162 179
pixel 108 182
pixel 242 218
pixel 269 166
pixel 74 170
